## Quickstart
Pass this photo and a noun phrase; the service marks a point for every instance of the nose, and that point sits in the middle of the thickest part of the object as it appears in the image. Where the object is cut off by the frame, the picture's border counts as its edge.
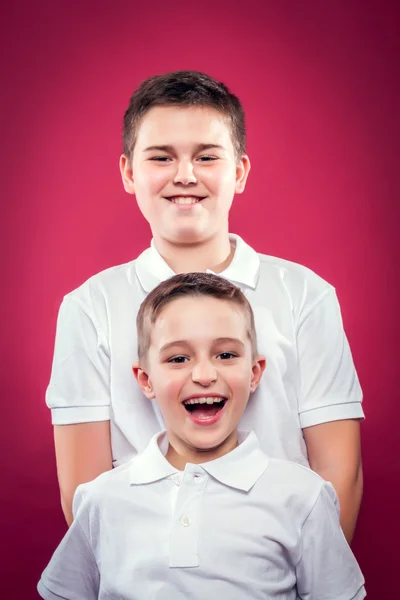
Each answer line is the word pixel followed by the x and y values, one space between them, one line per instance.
pixel 204 373
pixel 185 173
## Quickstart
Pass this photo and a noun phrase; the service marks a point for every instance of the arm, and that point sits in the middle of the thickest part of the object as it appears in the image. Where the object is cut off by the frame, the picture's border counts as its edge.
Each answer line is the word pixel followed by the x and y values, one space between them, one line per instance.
pixel 83 451
pixel 334 453
pixel 330 404
pixel 79 398
pixel 327 567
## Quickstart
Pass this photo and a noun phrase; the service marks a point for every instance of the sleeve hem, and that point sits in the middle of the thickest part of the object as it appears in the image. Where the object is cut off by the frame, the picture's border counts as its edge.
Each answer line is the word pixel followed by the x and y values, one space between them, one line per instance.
pixel 334 412
pixel 360 594
pixel 45 593
pixel 71 415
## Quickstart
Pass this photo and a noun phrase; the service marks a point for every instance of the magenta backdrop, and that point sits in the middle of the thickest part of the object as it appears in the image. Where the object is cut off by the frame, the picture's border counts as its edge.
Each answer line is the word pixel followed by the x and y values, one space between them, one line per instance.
pixel 317 80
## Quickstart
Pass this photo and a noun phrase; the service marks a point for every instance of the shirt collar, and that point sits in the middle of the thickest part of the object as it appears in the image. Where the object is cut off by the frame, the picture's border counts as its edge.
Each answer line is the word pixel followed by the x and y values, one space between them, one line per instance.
pixel 151 268
pixel 241 468
pixel 151 465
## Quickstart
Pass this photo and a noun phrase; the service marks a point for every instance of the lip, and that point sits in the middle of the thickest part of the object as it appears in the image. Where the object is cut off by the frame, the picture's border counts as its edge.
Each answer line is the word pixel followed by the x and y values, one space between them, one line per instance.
pixel 184 206
pixel 209 420
pixel 184 196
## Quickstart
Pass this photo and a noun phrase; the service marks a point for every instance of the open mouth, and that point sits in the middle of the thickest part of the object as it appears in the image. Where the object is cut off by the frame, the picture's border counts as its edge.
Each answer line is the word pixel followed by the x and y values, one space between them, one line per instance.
pixel 204 408
pixel 185 200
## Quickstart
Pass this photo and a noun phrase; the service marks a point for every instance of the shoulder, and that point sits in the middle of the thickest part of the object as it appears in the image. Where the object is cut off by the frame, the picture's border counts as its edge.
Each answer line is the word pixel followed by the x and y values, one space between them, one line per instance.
pixel 105 280
pixel 283 283
pixel 107 486
pixel 278 274
pixel 289 469
pixel 292 275
pixel 103 293
pixel 293 484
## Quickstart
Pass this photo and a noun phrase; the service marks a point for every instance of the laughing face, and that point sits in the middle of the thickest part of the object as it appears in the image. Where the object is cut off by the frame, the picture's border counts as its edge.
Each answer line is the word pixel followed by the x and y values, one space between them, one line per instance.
pixel 184 173
pixel 201 371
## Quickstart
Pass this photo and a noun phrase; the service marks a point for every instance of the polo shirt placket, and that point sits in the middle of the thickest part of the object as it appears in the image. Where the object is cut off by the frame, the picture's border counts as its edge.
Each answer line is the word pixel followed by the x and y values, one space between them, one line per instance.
pixel 186 520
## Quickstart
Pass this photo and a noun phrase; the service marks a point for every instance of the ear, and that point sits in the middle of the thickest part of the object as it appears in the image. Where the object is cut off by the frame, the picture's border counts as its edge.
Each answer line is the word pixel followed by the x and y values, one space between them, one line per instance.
pixel 259 365
pixel 125 167
pixel 144 381
pixel 242 172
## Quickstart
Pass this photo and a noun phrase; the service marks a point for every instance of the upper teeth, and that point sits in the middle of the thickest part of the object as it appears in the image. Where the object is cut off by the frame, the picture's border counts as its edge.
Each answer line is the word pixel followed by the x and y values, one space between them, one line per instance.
pixel 184 199
pixel 207 400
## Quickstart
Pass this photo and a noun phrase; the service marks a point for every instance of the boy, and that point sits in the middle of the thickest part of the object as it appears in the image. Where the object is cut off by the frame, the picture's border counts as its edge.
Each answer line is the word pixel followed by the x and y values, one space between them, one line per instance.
pixel 202 512
pixel 184 159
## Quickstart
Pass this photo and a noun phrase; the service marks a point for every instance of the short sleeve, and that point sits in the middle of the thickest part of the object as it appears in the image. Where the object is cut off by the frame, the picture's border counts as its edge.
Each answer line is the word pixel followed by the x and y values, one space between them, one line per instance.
pixel 327 569
pixel 79 388
pixel 72 573
pixel 329 386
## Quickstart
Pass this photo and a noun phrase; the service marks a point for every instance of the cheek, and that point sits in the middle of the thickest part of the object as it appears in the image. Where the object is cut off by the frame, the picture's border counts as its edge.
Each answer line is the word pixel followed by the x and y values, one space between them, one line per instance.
pixel 224 188
pixel 159 179
pixel 147 192
pixel 240 384
pixel 168 387
pixel 218 178
pixel 151 181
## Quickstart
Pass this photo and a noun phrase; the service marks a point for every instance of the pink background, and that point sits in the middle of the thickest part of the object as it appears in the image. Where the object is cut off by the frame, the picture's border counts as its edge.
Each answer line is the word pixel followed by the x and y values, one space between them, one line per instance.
pixel 318 83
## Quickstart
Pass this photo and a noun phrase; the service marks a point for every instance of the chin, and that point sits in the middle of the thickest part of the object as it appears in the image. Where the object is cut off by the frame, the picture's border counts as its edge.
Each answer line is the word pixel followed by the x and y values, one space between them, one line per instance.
pixel 189 236
pixel 211 444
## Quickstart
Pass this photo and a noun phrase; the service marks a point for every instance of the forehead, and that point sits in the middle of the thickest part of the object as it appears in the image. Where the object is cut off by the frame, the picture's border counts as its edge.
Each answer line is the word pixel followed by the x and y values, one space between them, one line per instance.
pixel 176 124
pixel 199 319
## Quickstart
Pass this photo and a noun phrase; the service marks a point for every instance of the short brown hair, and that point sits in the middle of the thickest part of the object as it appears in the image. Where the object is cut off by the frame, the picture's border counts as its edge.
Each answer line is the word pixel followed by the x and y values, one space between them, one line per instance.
pixel 189 284
pixel 184 88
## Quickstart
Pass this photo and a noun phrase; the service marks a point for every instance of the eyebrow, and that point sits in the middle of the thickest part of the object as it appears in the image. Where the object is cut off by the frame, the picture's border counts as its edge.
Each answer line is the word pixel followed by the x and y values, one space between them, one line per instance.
pixel 216 341
pixel 171 149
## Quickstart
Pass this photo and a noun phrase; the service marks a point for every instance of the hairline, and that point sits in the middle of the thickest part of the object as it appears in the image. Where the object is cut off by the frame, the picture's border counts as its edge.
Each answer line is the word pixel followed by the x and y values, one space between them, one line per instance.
pixel 151 317
pixel 224 114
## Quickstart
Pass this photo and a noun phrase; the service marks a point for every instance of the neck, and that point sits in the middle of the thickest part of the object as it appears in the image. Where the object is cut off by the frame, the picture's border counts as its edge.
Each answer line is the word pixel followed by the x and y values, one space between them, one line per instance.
pixel 215 253
pixel 180 453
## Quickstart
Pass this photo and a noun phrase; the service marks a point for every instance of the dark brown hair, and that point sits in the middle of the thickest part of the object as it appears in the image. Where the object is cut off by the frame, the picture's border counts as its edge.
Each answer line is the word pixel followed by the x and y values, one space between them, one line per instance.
pixel 184 88
pixel 189 284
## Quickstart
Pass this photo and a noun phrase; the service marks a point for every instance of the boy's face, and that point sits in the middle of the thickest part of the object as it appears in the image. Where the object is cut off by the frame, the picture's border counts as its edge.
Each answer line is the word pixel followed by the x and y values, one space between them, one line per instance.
pixel 184 173
pixel 200 350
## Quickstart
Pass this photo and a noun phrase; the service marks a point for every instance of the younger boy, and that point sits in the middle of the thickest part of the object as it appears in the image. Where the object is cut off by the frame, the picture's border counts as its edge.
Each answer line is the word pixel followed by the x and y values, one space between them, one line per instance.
pixel 202 512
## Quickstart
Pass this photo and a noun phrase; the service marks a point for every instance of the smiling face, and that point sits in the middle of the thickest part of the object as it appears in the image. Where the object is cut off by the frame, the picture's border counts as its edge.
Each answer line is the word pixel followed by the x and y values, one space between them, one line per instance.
pixel 201 371
pixel 184 173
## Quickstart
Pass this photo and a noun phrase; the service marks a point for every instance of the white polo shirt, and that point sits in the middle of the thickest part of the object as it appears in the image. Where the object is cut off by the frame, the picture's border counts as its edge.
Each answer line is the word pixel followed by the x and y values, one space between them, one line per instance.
pixel 242 527
pixel 310 376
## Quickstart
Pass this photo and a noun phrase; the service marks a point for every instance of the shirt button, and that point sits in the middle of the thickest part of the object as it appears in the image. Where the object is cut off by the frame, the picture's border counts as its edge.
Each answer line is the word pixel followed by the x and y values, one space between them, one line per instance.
pixel 177 479
pixel 185 521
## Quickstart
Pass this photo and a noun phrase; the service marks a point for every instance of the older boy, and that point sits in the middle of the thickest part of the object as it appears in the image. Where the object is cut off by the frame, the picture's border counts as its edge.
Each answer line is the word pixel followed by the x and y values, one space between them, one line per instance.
pixel 184 159
pixel 202 512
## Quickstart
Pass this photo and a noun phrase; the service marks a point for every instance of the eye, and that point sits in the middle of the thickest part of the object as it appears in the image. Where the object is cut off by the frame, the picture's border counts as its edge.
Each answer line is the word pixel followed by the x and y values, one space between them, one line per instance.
pixel 227 355
pixel 207 158
pixel 178 359
pixel 161 159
